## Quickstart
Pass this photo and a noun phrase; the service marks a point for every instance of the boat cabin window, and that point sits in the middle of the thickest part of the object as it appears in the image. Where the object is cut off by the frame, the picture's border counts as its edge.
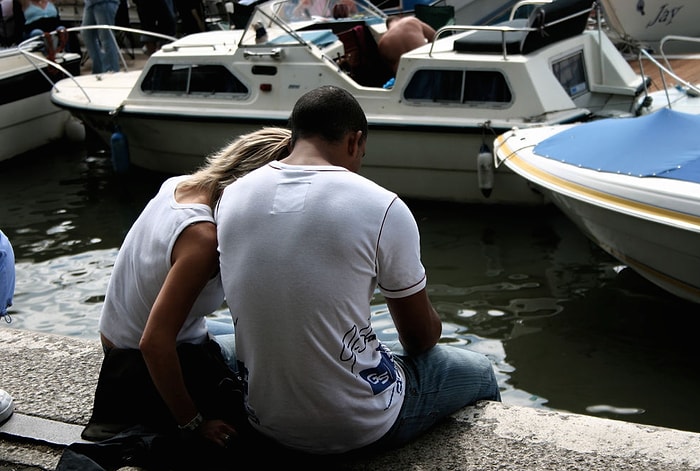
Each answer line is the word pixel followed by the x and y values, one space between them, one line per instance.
pixel 473 87
pixel 571 74
pixel 197 79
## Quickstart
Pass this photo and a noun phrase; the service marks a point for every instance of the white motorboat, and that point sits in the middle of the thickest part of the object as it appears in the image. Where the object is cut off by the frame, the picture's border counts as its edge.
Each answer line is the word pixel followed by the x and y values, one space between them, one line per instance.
pixel 644 23
pixel 28 119
pixel 430 133
pixel 632 185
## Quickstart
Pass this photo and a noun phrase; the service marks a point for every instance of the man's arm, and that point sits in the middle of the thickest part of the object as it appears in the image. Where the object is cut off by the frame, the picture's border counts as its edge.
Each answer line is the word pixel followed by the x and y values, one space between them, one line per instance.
pixel 428 31
pixel 416 321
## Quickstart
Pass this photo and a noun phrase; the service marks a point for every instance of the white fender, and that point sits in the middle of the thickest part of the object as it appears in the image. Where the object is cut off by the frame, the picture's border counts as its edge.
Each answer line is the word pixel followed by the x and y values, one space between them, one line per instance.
pixel 484 170
pixel 74 129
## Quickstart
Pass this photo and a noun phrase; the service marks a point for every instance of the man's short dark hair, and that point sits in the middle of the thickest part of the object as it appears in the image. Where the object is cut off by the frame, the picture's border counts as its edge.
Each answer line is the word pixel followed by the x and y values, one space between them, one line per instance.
pixel 328 112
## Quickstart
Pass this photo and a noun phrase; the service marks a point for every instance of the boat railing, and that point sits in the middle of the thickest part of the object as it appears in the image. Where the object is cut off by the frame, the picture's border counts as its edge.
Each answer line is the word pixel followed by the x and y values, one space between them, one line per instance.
pixel 124 29
pixel 665 68
pixel 456 29
pixel 672 37
pixel 28 47
pixel 523 3
pixel 536 18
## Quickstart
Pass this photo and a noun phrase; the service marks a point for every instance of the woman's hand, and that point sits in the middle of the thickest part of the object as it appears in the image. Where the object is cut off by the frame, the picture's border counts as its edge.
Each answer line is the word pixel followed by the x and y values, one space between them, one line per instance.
pixel 217 431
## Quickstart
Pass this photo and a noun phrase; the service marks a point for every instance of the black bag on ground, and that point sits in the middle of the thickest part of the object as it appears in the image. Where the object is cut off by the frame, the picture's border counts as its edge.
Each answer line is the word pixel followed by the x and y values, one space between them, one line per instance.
pixel 126 396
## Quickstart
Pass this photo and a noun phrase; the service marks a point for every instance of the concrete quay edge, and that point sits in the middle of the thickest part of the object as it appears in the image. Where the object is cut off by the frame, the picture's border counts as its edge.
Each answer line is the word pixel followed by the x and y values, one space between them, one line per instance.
pixel 54 377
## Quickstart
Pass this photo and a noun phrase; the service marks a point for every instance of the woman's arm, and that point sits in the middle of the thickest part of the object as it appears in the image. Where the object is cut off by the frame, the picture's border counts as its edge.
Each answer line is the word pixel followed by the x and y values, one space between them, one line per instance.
pixel 194 262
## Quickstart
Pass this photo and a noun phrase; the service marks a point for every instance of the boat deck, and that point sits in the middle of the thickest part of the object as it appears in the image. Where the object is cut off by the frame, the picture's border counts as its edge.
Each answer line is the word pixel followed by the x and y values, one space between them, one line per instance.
pixel 687 67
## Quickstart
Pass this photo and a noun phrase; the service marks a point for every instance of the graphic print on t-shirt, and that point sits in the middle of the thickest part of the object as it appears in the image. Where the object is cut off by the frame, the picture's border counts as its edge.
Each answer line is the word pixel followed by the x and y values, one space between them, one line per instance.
pixel 356 341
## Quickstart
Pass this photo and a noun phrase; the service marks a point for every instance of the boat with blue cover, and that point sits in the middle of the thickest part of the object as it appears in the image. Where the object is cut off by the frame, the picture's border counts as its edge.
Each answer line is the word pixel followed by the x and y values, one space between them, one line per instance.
pixel 632 185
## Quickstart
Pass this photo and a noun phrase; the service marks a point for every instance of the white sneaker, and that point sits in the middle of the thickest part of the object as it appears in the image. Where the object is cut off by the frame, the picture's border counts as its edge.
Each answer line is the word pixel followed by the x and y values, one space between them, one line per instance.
pixel 7 406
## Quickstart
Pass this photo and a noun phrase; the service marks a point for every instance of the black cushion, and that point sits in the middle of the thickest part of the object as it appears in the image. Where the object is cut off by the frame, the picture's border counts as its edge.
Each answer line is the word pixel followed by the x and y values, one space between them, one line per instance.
pixel 541 18
pixel 492 41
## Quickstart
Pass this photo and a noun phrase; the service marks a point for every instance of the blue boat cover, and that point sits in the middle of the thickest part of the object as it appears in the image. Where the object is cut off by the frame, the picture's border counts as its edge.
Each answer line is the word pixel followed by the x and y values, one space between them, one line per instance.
pixel 665 144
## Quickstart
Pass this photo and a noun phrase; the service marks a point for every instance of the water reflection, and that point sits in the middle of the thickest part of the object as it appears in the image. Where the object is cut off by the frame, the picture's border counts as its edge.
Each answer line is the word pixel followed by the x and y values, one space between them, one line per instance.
pixel 563 326
pixel 63 295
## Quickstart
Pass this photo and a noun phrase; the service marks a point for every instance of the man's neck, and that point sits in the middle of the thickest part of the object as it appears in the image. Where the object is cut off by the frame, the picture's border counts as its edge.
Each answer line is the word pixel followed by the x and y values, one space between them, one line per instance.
pixel 310 152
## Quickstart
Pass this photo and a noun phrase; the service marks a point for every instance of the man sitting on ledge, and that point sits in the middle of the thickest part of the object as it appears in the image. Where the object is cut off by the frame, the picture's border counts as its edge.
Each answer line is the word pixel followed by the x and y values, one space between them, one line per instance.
pixel 304 242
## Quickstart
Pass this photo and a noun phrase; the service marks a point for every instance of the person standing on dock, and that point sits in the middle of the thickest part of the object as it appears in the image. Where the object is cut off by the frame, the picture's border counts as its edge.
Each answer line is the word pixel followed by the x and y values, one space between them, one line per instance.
pixel 101 44
pixel 7 290
pixel 7 275
pixel 157 16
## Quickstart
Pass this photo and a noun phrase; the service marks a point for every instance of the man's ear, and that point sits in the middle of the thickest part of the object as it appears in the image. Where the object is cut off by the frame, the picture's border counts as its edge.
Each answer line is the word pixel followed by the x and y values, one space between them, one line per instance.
pixel 354 140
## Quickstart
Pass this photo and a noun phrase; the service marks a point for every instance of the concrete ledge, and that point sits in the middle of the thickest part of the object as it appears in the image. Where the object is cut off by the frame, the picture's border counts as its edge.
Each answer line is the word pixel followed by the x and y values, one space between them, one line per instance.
pixel 54 377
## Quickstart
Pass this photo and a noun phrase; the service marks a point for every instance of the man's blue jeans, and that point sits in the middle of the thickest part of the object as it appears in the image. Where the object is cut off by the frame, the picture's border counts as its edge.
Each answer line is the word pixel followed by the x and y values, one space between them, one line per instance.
pixel 439 382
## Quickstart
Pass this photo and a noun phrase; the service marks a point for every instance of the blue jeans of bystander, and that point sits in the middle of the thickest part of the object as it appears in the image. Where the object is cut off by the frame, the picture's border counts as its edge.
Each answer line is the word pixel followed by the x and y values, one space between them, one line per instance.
pixel 101 44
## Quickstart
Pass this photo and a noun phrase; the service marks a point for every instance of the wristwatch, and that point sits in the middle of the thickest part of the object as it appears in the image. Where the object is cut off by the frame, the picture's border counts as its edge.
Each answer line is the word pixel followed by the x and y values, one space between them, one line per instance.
pixel 193 424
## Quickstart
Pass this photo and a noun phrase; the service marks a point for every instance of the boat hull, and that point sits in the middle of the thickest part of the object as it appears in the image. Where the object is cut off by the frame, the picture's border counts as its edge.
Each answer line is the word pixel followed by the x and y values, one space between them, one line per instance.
pixel 438 172
pixel 649 21
pixel 650 224
pixel 28 118
pixel 652 249
pixel 30 123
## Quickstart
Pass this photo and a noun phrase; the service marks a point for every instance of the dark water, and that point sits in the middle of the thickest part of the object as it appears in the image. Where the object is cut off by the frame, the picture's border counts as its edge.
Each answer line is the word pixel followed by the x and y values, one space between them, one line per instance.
pixel 565 326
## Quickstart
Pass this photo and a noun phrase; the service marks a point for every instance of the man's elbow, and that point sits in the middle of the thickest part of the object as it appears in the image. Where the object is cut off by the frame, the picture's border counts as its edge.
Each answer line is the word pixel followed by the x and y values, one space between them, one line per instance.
pixel 417 344
pixel 416 348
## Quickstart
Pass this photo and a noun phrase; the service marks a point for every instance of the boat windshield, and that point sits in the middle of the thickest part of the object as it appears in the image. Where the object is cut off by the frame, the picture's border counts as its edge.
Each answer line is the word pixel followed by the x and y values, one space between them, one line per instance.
pixel 277 21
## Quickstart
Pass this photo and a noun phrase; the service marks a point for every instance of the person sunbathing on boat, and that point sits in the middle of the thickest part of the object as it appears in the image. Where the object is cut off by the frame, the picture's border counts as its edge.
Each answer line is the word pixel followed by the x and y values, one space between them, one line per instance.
pixel 403 35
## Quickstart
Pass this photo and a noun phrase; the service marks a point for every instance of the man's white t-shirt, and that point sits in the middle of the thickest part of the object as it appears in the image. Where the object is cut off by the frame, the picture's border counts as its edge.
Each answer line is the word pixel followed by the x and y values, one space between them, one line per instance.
pixel 302 250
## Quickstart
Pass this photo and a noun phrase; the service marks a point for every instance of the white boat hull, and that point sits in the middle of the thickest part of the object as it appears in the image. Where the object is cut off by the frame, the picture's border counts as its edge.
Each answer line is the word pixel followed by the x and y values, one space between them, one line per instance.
pixel 439 171
pixel 647 22
pixel 28 118
pixel 29 124
pixel 650 224
pixel 652 249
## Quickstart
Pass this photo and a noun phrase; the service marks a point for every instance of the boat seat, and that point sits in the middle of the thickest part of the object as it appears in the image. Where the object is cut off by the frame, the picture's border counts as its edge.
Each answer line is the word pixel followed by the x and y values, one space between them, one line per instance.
pixel 361 59
pixel 553 22
pixel 493 41
pixel 436 16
